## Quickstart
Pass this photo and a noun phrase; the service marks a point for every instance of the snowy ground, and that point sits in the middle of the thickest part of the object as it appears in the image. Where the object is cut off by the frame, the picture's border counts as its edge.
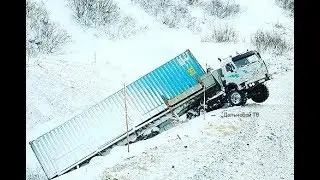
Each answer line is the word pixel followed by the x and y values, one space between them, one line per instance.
pixel 61 86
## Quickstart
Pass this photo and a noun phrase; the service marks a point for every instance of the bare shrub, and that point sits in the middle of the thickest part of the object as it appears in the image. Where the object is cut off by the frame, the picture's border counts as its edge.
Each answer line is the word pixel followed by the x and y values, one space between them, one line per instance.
pixel 221 9
pixel 193 25
pixel 287 5
pixel 173 16
pixel 124 28
pixel 43 36
pixel 152 7
pixel 192 2
pixel 270 41
pixel 104 16
pixel 169 20
pixel 94 13
pixel 170 13
pixel 279 25
pixel 220 34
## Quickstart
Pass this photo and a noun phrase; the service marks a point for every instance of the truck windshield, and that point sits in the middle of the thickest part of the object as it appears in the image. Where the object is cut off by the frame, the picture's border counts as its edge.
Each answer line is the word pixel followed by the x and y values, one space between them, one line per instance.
pixel 245 60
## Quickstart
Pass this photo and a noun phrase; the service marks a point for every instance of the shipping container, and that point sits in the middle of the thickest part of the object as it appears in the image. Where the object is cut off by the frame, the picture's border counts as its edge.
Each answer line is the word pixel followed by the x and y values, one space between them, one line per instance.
pixel 83 136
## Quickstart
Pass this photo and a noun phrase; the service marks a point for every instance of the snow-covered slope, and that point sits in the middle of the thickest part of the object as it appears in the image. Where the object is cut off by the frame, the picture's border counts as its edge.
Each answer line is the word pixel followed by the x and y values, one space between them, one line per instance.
pixel 94 66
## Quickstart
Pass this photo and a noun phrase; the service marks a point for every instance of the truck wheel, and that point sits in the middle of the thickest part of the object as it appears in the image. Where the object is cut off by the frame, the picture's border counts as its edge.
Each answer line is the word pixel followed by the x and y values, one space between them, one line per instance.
pixel 236 98
pixel 260 93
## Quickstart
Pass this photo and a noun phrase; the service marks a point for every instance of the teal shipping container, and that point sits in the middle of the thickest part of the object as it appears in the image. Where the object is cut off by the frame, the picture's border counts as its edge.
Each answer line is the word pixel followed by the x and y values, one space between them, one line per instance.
pixel 83 136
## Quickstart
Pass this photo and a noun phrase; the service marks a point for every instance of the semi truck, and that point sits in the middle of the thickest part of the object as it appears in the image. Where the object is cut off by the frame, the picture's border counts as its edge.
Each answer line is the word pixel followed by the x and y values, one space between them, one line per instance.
pixel 150 104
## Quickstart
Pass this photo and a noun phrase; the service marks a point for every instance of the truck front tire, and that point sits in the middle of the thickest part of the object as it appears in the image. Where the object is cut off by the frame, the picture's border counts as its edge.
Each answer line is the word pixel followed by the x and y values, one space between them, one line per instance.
pixel 260 93
pixel 236 98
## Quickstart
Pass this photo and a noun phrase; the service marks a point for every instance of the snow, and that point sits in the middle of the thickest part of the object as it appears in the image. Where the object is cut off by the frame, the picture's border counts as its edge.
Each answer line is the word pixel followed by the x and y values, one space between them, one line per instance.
pixel 93 67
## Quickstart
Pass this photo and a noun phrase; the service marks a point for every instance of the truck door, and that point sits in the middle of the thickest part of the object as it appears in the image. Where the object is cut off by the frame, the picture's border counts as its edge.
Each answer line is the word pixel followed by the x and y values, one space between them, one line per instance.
pixel 231 73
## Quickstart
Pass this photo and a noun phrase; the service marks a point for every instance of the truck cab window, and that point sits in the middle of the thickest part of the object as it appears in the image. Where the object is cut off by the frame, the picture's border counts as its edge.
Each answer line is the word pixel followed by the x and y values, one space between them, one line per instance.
pixel 246 60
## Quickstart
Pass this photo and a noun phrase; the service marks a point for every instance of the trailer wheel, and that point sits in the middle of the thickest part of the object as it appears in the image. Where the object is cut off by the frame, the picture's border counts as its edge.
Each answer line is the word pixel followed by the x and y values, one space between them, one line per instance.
pixel 260 93
pixel 236 97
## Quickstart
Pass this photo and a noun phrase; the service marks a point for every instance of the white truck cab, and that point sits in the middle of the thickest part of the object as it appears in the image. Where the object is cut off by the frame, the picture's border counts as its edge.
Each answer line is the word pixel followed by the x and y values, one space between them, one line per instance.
pixel 243 77
pixel 245 70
